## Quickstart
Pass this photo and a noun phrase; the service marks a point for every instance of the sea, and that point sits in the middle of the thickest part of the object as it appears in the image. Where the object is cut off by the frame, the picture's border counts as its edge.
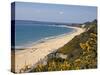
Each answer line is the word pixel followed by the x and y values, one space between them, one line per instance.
pixel 29 33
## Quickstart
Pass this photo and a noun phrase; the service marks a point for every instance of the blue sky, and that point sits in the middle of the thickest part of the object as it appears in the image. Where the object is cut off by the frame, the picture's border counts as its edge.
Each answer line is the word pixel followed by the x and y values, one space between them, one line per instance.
pixel 54 12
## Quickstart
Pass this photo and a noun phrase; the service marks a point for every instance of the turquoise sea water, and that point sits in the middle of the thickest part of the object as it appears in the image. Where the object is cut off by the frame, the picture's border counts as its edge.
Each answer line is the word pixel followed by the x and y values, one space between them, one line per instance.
pixel 28 33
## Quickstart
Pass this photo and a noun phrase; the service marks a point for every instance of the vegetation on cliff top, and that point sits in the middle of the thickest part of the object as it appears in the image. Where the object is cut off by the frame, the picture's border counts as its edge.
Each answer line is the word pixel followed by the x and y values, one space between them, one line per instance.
pixel 81 52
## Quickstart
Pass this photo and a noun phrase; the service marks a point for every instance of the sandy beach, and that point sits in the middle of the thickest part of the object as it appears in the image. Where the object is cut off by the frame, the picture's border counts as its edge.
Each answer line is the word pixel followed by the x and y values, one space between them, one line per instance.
pixel 32 55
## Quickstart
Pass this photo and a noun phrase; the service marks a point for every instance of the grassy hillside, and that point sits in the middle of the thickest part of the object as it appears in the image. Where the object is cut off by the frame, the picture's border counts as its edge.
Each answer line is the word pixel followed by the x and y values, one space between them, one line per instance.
pixel 81 52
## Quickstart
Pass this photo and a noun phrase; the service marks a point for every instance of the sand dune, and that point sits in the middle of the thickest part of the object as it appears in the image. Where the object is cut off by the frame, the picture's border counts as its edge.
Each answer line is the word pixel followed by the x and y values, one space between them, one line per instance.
pixel 32 55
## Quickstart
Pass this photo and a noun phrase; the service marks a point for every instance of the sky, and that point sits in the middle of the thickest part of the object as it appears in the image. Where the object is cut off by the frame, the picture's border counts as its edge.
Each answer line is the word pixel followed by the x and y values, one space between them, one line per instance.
pixel 54 12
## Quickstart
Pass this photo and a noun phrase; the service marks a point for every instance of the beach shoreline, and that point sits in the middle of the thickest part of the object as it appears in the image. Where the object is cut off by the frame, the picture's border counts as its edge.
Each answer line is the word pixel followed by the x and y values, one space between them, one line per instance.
pixel 30 56
pixel 31 43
